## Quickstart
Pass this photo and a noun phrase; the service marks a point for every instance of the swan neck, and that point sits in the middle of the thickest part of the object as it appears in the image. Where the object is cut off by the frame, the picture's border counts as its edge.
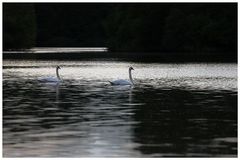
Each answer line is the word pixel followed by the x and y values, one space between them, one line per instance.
pixel 57 74
pixel 130 76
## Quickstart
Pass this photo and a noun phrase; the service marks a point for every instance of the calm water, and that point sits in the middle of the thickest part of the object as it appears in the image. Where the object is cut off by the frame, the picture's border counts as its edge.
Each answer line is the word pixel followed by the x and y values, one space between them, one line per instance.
pixel 174 110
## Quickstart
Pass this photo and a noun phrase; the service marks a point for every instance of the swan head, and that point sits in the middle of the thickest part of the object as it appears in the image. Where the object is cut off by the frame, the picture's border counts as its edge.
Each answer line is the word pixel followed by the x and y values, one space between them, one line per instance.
pixel 131 68
pixel 58 67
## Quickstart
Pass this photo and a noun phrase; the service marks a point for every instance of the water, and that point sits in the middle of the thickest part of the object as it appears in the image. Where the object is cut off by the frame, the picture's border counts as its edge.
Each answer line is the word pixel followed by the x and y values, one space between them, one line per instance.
pixel 174 110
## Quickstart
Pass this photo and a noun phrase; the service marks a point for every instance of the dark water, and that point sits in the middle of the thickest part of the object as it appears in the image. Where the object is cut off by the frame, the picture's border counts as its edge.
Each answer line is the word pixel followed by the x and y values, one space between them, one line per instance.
pixel 174 110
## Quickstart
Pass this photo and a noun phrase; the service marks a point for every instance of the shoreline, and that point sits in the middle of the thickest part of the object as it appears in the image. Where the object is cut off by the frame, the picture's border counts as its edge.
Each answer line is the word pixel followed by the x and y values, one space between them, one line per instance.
pixel 129 56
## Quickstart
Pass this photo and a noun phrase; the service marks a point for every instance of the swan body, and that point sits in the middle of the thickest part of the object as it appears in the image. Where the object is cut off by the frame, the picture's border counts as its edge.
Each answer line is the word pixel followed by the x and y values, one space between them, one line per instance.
pixel 51 79
pixel 124 82
pixel 120 82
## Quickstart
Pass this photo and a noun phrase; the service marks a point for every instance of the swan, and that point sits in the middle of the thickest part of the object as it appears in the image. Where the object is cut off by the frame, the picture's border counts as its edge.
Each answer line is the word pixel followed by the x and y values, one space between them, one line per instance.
pixel 51 79
pixel 124 82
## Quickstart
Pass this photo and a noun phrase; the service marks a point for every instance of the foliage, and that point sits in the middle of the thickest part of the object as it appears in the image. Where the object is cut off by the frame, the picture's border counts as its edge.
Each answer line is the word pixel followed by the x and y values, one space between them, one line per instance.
pixel 123 27
pixel 19 26
pixel 203 27
pixel 70 25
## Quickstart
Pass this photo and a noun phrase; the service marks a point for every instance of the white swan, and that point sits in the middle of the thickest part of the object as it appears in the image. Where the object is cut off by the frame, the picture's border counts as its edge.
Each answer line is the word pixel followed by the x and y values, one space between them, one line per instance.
pixel 124 82
pixel 51 79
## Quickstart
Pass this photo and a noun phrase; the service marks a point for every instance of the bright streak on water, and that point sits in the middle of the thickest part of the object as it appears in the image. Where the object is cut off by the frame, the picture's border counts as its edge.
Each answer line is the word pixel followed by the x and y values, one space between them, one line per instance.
pixel 61 50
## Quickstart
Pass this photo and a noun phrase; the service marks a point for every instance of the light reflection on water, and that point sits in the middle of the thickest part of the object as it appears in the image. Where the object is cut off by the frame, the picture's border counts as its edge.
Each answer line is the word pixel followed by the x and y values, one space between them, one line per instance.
pixel 173 110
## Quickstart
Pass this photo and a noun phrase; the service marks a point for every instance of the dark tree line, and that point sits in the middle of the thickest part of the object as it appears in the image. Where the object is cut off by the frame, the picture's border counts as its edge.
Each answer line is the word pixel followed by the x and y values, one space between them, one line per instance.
pixel 19 26
pixel 71 25
pixel 123 27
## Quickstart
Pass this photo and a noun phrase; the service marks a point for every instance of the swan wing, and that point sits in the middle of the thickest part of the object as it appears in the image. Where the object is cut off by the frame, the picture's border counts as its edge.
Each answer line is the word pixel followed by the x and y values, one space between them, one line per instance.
pixel 120 82
pixel 48 79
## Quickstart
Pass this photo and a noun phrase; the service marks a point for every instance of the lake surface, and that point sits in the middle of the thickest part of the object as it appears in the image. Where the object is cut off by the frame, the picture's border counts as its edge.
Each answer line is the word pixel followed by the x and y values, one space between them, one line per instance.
pixel 174 110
